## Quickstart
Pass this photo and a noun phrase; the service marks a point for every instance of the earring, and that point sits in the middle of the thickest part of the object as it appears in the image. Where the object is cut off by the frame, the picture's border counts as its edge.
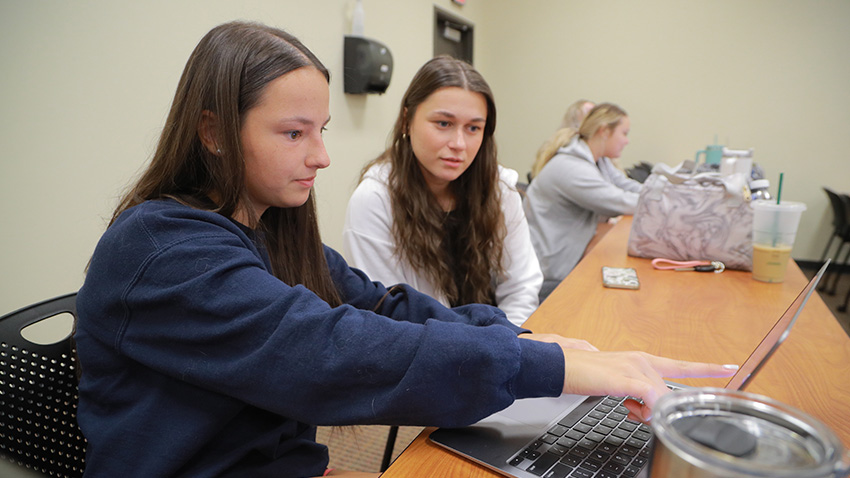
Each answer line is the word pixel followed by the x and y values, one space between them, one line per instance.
pixel 218 151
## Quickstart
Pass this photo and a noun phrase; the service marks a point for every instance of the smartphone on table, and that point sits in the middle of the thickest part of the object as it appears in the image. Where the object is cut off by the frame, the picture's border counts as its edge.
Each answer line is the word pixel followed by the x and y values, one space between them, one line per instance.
pixel 620 277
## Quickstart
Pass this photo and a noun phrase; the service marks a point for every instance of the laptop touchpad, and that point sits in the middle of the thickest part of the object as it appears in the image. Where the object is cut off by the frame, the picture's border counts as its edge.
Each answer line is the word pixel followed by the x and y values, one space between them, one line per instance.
pixel 541 411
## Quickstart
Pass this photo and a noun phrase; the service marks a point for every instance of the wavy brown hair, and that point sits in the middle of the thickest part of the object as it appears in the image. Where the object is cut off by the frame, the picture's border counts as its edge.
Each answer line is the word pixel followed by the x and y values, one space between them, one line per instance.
pixel 419 224
pixel 226 75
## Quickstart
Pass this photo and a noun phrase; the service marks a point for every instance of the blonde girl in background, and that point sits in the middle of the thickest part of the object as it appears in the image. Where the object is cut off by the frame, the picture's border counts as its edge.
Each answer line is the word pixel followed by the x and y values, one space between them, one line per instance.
pixel 575 188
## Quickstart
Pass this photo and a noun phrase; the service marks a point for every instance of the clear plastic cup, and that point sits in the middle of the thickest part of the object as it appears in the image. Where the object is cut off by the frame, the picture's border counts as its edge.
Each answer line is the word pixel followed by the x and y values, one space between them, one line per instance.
pixel 774 230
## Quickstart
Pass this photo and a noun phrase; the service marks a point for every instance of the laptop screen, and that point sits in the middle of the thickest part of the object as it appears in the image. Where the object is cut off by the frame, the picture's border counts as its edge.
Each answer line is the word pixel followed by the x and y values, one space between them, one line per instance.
pixel 777 334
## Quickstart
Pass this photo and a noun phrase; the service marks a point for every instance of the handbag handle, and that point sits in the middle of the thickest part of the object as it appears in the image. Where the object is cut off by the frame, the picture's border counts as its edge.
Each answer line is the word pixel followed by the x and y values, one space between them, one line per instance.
pixel 735 184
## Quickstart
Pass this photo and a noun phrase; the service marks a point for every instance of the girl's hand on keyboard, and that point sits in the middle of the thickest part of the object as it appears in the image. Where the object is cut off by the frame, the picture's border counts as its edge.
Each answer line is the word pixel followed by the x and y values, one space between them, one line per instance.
pixel 630 374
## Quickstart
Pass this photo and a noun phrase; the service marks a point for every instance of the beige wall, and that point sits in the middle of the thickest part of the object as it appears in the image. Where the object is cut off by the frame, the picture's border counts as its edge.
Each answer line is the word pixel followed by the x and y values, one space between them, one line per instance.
pixel 773 75
pixel 85 86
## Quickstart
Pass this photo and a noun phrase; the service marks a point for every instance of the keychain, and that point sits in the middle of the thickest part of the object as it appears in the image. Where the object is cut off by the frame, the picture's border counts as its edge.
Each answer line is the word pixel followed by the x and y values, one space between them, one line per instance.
pixel 698 266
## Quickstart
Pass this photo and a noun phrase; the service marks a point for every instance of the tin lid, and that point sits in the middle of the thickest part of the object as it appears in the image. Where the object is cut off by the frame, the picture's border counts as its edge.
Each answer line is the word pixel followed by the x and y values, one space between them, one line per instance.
pixel 734 433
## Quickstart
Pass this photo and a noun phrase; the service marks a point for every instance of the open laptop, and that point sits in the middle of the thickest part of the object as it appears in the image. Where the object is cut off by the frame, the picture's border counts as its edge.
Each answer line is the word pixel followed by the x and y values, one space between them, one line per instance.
pixel 583 437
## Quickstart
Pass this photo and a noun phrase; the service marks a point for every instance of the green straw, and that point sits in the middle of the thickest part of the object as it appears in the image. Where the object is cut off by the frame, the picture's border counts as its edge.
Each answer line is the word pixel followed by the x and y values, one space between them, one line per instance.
pixel 778 198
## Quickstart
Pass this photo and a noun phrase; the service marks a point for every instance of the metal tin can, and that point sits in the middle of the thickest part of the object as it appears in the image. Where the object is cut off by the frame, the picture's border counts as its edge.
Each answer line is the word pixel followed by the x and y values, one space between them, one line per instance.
pixel 712 432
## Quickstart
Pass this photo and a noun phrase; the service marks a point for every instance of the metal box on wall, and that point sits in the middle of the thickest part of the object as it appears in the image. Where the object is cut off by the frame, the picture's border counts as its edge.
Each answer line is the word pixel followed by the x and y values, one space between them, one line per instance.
pixel 367 66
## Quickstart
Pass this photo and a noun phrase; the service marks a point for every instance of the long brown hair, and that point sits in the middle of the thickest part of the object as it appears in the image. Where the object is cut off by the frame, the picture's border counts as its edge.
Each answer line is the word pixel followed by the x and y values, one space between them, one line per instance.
pixel 419 222
pixel 226 75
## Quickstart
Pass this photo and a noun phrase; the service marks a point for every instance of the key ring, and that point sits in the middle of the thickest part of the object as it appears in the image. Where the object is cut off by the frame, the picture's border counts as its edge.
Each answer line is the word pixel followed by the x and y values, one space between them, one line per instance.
pixel 698 266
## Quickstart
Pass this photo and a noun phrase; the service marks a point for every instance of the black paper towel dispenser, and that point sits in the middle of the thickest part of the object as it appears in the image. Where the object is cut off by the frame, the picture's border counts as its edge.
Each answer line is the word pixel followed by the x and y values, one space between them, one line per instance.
pixel 367 66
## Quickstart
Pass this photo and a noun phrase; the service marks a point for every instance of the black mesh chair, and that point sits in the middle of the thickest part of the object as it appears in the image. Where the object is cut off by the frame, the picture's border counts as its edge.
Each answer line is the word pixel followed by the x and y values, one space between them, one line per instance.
pixel 839 220
pixel 38 395
pixel 843 307
pixel 841 230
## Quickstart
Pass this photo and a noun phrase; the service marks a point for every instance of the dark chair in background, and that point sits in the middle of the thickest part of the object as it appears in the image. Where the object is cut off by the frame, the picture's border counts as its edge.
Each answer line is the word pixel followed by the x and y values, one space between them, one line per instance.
pixel 839 220
pixel 639 172
pixel 388 450
pixel 841 230
pixel 38 394
pixel 522 188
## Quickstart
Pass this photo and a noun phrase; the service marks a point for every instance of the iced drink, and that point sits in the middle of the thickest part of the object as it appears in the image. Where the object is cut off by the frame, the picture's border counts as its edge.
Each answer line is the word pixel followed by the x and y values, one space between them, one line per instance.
pixel 772 262
pixel 774 231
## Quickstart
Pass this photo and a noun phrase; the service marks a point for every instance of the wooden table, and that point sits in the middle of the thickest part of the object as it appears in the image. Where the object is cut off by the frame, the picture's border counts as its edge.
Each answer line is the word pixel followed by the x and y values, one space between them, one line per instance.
pixel 689 315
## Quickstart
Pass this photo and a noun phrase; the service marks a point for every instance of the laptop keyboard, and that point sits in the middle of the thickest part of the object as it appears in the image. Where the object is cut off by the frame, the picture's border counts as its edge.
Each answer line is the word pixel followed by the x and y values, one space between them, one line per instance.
pixel 594 440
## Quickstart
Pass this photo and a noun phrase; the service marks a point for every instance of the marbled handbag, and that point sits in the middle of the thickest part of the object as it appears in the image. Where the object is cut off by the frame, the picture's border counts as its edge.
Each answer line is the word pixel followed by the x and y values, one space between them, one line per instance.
pixel 684 216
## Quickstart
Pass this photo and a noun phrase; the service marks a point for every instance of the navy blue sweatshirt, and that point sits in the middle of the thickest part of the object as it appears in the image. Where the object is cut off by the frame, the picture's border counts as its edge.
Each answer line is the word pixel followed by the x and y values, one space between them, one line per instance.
pixel 197 361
